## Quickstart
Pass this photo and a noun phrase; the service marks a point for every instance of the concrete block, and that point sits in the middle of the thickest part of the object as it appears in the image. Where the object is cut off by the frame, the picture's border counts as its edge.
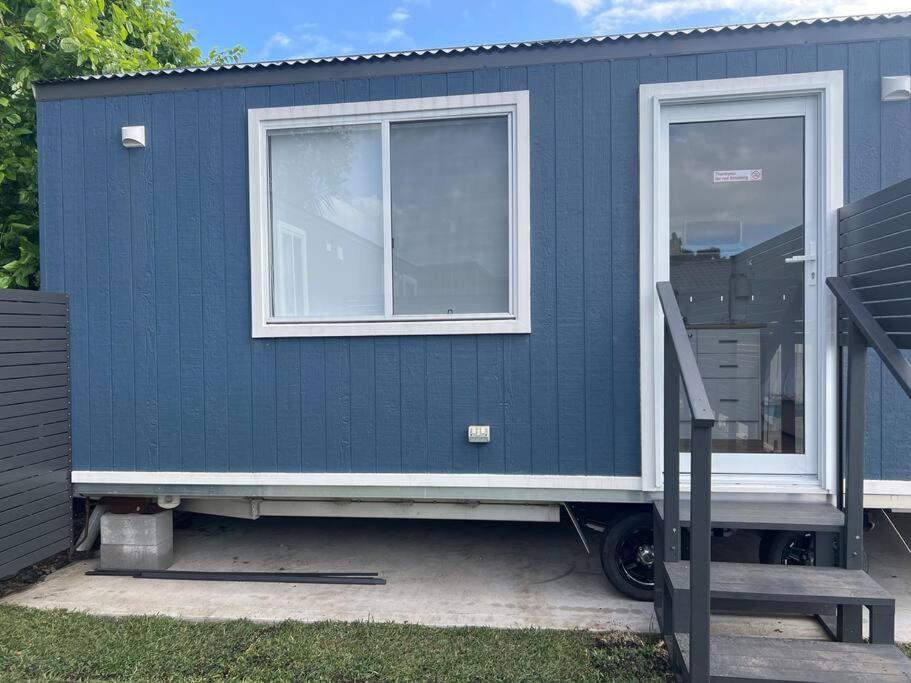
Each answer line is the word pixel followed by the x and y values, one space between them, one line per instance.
pixel 136 529
pixel 136 557
pixel 137 542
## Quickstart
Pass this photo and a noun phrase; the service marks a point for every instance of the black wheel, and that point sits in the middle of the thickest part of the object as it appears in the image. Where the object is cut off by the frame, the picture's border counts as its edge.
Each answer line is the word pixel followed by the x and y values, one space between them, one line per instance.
pixel 788 547
pixel 628 556
pixel 794 547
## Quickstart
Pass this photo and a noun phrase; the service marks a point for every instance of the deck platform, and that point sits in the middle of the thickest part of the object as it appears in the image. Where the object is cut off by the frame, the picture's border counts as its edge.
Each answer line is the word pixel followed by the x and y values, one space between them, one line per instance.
pixel 739 658
pixel 778 516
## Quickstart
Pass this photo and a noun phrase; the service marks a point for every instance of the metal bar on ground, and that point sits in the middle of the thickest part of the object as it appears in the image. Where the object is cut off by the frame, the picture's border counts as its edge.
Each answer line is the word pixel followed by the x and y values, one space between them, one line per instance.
pixel 131 572
pixel 356 578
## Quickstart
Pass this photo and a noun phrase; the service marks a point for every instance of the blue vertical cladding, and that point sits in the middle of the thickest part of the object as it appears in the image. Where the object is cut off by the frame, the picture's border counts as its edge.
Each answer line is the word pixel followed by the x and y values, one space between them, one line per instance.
pixel 545 430
pixel 73 202
pixel 864 175
pixel 895 165
pixel 153 247
pixel 98 371
pixel 265 417
pixel 163 152
pixel 569 268
pixel 189 311
pixel 237 282
pixel 624 265
pixel 145 338
pixel 120 238
pixel 212 265
pixel 596 251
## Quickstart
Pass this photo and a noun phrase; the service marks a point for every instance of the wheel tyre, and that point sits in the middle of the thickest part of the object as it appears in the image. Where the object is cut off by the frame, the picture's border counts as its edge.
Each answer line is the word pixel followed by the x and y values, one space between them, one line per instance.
pixel 788 547
pixel 617 545
pixel 773 547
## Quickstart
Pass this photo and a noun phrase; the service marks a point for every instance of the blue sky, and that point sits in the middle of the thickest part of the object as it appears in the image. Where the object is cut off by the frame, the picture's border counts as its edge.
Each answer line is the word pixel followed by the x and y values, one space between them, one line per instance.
pixel 284 29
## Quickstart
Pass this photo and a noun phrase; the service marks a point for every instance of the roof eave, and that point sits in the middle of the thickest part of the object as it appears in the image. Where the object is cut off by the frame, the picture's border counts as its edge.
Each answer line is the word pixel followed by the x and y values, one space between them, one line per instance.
pixel 661 43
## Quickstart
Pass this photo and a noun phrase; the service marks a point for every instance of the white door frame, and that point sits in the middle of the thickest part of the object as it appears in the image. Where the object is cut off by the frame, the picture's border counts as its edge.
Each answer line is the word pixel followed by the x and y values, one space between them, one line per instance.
pixel 827 89
pixel 806 108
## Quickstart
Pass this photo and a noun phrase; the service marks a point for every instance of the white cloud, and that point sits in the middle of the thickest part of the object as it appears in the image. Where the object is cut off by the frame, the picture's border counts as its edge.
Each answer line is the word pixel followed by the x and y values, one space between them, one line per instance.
pixel 302 42
pixel 582 8
pixel 308 40
pixel 399 15
pixel 629 15
pixel 390 35
pixel 395 33
pixel 276 40
pixel 315 45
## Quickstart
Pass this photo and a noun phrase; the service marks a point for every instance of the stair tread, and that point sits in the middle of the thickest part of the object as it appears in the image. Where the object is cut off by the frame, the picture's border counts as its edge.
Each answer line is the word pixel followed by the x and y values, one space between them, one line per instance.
pixel 813 661
pixel 784 583
pixel 730 514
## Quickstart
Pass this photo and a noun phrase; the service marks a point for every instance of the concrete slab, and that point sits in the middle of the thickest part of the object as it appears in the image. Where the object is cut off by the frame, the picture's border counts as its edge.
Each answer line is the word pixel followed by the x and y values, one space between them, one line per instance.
pixel 439 573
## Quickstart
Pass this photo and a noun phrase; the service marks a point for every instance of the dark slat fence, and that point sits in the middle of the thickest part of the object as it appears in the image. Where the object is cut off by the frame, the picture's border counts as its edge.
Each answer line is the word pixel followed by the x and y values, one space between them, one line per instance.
pixel 36 518
pixel 874 258
pixel 873 290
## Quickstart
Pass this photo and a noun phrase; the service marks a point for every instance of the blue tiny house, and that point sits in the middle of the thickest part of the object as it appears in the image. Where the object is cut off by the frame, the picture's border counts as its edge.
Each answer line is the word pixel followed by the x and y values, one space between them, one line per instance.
pixel 313 276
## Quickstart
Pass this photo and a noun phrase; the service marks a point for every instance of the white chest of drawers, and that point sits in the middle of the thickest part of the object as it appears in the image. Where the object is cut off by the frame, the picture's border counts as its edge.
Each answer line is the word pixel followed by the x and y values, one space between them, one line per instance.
pixel 729 361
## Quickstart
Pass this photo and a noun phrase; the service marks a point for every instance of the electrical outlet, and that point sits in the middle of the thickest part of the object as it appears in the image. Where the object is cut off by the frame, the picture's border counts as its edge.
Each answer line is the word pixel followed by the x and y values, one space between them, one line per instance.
pixel 478 433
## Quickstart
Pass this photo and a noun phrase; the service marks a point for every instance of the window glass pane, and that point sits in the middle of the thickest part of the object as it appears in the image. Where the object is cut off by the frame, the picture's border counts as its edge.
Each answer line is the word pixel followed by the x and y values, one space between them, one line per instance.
pixel 327 221
pixel 450 216
pixel 736 213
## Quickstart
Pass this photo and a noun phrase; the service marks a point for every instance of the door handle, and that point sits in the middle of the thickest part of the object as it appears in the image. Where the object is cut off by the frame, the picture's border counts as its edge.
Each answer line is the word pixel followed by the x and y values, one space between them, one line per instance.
pixel 809 257
pixel 802 258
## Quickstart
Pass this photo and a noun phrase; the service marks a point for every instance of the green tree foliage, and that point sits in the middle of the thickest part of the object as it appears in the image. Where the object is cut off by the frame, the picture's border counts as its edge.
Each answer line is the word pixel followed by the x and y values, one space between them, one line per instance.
pixel 50 39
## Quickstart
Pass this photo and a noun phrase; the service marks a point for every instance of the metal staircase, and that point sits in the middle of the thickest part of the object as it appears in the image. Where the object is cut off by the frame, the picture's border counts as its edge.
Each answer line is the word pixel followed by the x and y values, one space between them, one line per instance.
pixel 873 291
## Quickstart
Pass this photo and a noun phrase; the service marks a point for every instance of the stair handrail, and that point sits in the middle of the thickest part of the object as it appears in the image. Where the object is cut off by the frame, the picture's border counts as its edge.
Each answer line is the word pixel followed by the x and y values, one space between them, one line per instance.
pixel 680 366
pixel 693 386
pixel 863 332
pixel 872 331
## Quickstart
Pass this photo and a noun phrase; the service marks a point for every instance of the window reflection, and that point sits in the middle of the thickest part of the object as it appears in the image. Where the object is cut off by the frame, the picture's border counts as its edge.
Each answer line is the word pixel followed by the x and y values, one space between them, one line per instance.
pixel 450 216
pixel 736 212
pixel 327 221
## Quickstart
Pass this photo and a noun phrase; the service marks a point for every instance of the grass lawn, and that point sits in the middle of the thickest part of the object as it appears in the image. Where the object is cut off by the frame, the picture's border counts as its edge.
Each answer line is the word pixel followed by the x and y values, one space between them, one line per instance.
pixel 55 646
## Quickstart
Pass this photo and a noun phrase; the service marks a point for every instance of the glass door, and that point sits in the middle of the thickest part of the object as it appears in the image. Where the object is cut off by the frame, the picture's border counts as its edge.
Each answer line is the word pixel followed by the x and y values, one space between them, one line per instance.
pixel 741 230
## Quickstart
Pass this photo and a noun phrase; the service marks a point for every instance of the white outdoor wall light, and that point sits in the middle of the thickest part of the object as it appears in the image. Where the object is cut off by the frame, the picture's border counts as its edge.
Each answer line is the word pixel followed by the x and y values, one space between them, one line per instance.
pixel 896 88
pixel 133 137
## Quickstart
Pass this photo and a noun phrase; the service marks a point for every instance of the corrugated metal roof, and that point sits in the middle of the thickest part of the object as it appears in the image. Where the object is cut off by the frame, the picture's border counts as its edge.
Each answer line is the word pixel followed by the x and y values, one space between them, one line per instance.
pixel 498 47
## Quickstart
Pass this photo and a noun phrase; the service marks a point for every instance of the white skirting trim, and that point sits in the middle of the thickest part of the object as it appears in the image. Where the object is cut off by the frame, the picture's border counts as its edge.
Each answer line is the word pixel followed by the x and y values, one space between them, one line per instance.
pixel 888 487
pixel 895 494
pixel 513 481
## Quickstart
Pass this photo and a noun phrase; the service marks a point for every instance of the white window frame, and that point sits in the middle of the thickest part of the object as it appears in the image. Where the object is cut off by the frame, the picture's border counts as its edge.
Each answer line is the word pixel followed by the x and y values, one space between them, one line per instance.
pixel 514 105
pixel 827 88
